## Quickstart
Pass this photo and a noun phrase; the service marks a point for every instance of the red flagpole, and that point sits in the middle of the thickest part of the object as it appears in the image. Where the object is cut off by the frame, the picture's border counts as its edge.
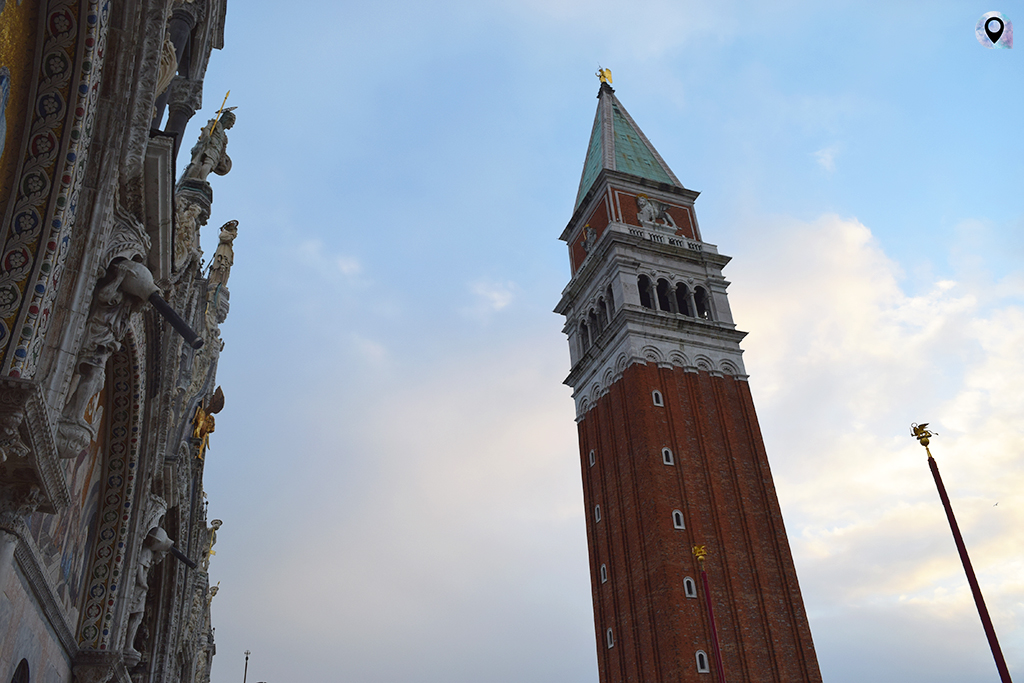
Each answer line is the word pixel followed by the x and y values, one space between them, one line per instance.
pixel 923 435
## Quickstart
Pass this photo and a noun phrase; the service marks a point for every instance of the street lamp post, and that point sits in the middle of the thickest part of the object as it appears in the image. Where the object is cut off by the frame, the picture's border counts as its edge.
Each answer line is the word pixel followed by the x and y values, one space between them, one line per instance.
pixel 246 673
pixel 923 435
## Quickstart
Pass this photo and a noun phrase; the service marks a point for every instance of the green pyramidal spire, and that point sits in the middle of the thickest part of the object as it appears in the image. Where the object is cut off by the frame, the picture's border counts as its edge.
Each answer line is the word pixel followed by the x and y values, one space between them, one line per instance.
pixel 618 144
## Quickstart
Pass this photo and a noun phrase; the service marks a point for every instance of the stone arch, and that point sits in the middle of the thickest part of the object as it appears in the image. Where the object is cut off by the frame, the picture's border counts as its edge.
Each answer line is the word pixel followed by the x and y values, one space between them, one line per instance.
pixel 584 406
pixel 652 354
pixel 728 368
pixel 621 363
pixel 608 378
pixel 679 359
pixel 106 598
pixel 704 363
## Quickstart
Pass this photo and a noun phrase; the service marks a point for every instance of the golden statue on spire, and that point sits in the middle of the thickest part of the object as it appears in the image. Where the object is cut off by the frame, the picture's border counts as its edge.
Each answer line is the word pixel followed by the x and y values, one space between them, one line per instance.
pixel 605 75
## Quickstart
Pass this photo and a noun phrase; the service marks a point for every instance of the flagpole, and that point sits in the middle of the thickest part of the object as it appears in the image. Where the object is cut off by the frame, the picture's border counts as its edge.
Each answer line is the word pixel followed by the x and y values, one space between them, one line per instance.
pixel 922 434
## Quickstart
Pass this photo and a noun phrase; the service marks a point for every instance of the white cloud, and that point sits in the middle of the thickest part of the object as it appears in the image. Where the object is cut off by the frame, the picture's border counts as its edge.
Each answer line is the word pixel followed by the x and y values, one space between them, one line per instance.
pixel 490 297
pixel 316 257
pixel 826 157
pixel 842 359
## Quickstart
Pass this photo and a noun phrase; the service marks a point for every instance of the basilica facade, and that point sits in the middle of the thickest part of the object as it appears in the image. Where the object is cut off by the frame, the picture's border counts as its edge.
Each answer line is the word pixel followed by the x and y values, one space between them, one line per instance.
pixel 109 338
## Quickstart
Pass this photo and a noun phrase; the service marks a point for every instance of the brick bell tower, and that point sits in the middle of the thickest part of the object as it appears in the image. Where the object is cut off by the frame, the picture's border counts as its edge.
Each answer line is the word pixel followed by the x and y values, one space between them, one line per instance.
pixel 691 571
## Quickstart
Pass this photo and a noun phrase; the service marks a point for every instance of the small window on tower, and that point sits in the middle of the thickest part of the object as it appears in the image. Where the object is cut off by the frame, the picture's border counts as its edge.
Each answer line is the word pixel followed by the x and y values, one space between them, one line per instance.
pixel 592 458
pixel 667 457
pixel 609 638
pixel 658 400
pixel 604 573
pixel 702 663
pixel 677 519
pixel 597 513
pixel 689 587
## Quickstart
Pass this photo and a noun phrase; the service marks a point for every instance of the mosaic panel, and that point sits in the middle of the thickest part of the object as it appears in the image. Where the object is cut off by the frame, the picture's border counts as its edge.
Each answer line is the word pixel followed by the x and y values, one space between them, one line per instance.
pixel 48 181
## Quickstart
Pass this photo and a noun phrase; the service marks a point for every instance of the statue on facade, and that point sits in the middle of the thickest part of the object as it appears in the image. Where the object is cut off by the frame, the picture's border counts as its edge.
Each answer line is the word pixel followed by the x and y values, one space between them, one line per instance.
pixel 210 153
pixel 224 257
pixel 155 547
pixel 203 424
pixel 650 212
pixel 590 237
pixel 109 318
pixel 210 552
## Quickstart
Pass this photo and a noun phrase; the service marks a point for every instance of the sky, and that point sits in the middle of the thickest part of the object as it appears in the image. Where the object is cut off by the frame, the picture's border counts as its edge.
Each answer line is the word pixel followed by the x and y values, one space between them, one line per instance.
pixel 397 466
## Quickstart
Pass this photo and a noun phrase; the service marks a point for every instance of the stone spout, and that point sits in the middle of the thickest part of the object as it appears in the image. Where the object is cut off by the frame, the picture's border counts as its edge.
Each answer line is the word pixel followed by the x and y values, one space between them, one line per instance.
pixel 138 281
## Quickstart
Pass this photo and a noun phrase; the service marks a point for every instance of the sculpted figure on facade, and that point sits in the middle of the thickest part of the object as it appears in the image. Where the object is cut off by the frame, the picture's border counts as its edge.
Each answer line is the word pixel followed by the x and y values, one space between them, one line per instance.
pixel 187 218
pixel 210 153
pixel 651 213
pixel 210 552
pixel 590 237
pixel 108 322
pixel 224 257
pixel 155 547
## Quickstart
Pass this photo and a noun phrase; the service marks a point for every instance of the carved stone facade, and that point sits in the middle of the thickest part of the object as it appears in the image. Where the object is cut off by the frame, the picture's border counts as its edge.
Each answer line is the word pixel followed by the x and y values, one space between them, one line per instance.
pixel 109 340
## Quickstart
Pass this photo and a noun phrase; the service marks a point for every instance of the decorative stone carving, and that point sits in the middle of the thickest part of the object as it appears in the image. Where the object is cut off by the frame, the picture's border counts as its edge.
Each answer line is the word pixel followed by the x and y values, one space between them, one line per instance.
pixel 652 213
pixel 188 218
pixel 108 322
pixel 218 296
pixel 204 423
pixel 168 67
pixel 185 95
pixel 210 153
pixel 154 549
pixel 28 454
pixel 210 552
pixel 224 257
pixel 590 239
pixel 92 666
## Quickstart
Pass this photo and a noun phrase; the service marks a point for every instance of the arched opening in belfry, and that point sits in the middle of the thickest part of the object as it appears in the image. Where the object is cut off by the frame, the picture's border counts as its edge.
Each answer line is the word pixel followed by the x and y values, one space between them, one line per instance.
pixel 21 673
pixel 683 299
pixel 643 283
pixel 664 300
pixel 611 303
pixel 596 324
pixel 602 312
pixel 703 302
pixel 584 337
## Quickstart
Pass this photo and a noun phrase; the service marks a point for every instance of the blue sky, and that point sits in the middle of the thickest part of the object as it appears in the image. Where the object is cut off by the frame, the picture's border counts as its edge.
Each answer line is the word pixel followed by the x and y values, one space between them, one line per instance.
pixel 396 464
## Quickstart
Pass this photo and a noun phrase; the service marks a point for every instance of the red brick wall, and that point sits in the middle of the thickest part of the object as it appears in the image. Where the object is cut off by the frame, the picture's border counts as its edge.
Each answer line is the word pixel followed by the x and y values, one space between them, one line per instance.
pixel 722 483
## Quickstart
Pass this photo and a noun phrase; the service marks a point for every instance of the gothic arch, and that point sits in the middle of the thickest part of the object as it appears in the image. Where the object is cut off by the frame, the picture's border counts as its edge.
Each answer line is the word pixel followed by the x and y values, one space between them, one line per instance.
pixel 107 595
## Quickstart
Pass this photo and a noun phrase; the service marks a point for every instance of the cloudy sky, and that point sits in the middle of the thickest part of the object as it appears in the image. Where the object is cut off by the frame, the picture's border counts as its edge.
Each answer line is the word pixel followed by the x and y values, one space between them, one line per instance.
pixel 397 464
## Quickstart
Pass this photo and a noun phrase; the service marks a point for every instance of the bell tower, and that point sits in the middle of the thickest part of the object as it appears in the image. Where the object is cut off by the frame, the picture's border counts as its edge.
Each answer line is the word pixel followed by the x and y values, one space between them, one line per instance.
pixel 691 571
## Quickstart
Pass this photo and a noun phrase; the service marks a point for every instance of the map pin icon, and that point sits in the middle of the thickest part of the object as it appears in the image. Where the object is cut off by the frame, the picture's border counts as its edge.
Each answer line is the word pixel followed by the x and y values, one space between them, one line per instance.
pixel 994 35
